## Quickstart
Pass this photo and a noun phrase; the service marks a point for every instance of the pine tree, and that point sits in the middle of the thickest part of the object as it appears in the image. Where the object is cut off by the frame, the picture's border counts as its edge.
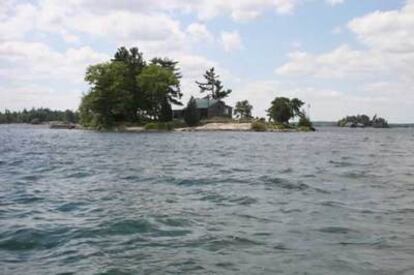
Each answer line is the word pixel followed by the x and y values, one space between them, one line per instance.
pixel 213 86
pixel 191 113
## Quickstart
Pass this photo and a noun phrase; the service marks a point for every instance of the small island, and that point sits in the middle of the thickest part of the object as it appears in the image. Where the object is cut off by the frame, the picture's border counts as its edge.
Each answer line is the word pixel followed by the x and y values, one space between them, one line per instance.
pixel 131 94
pixel 363 121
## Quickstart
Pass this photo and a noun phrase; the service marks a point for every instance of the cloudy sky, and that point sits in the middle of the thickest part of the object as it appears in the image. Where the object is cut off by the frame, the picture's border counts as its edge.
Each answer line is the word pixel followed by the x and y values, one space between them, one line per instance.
pixel 340 56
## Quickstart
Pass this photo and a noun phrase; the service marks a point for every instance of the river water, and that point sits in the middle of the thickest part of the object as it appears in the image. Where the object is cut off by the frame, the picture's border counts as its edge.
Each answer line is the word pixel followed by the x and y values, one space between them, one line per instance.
pixel 337 201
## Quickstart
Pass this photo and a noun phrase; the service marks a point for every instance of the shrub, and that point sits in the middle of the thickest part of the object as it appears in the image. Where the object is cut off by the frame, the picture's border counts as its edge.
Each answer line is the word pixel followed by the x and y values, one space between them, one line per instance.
pixel 304 122
pixel 259 126
pixel 178 124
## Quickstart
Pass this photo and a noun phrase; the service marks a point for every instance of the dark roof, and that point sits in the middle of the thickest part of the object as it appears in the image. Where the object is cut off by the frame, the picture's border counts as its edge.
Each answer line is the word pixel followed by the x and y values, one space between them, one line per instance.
pixel 204 103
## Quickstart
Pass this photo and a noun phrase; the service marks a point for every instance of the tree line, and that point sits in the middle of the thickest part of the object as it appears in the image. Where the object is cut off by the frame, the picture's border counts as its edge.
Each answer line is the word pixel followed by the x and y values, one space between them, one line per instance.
pixel 36 116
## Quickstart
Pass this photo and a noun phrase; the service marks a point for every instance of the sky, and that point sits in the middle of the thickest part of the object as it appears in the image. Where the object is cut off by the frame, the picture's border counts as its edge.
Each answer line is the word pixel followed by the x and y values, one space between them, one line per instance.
pixel 341 57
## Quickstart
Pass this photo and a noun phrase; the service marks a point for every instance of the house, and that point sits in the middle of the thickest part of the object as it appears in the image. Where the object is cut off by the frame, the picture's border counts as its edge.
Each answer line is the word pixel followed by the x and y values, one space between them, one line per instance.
pixel 208 108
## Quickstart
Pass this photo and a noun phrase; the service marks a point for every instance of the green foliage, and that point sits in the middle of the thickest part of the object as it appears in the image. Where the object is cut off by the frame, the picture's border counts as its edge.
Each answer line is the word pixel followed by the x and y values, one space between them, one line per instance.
pixel 243 109
pixel 283 109
pixel 213 86
pixel 157 82
pixel 159 126
pixel 128 90
pixel 166 113
pixel 191 113
pixel 363 121
pixel 36 116
pixel 178 124
pixel 278 126
pixel 379 122
pixel 304 121
pixel 259 126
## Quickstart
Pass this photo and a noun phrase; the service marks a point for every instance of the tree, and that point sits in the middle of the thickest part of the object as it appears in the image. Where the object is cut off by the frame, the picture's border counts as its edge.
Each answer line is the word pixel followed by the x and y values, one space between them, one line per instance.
pixel 295 105
pixel 243 109
pixel 127 89
pixel 213 86
pixel 135 63
pixel 191 113
pixel 69 116
pixel 166 111
pixel 159 85
pixel 283 109
pixel 109 99
pixel 174 90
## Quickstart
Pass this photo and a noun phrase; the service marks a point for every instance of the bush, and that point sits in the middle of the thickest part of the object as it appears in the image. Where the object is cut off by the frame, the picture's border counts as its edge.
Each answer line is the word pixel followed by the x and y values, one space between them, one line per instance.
pixel 304 122
pixel 178 124
pixel 259 126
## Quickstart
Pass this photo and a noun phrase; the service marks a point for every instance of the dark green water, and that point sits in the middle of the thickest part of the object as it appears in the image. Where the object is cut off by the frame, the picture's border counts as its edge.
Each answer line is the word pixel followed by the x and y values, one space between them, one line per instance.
pixel 338 201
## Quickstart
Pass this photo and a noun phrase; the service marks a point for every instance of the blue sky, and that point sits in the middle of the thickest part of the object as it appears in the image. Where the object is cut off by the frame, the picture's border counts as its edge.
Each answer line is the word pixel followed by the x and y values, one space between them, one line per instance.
pixel 340 56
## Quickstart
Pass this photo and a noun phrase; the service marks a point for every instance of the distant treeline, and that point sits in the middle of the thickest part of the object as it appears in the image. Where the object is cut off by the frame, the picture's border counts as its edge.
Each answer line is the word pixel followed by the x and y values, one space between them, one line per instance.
pixel 36 116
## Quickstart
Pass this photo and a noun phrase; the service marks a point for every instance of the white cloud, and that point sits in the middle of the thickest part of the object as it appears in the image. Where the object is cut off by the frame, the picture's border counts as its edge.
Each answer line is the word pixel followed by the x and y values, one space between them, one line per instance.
pixel 389 38
pixel 34 61
pixel 391 31
pixel 199 33
pixel 339 63
pixel 231 41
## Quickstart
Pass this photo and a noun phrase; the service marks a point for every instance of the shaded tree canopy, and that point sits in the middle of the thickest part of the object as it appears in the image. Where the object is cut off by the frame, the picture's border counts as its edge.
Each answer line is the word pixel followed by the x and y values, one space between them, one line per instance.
pixel 128 89
pixel 283 109
pixel 191 113
pixel 243 109
pixel 38 116
pixel 213 86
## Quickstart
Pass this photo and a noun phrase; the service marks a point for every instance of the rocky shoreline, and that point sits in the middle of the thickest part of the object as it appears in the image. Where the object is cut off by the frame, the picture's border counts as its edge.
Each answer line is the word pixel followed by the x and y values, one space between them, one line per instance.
pixel 214 127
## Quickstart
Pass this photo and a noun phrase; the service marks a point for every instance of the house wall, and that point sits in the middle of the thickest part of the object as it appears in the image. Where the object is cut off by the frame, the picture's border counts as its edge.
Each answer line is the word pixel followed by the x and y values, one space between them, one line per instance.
pixel 219 110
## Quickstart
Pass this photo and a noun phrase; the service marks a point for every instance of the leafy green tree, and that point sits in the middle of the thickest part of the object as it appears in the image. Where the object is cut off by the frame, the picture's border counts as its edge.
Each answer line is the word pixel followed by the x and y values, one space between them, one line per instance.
pixel 280 110
pixel 174 90
pixel 243 109
pixel 158 83
pixel 135 63
pixel 109 99
pixel 191 113
pixel 283 109
pixel 127 89
pixel 213 86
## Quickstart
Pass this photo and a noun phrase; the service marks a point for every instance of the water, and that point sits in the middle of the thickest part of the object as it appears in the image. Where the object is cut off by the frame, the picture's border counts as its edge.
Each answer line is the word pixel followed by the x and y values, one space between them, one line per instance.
pixel 338 201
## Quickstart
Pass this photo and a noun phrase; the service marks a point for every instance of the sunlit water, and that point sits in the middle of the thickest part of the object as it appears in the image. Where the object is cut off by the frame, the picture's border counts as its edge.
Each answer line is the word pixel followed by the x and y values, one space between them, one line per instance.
pixel 338 201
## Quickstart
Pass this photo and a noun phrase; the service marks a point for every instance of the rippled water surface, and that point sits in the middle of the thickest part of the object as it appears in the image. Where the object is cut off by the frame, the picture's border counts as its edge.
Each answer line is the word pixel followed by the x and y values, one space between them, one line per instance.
pixel 338 201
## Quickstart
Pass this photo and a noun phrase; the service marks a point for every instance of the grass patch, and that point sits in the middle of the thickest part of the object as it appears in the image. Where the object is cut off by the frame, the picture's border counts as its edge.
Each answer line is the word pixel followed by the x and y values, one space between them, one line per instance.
pixel 159 126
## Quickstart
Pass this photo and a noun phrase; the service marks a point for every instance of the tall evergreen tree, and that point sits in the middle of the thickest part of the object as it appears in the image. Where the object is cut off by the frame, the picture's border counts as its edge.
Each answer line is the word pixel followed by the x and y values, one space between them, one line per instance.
pixel 191 113
pixel 213 86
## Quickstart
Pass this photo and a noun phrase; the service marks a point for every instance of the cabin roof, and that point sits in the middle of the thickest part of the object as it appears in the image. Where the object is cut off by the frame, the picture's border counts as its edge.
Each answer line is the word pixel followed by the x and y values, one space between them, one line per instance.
pixel 204 103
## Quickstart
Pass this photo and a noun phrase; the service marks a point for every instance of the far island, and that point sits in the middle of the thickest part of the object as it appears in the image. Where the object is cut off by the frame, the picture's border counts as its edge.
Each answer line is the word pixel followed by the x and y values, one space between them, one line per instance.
pixel 363 121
